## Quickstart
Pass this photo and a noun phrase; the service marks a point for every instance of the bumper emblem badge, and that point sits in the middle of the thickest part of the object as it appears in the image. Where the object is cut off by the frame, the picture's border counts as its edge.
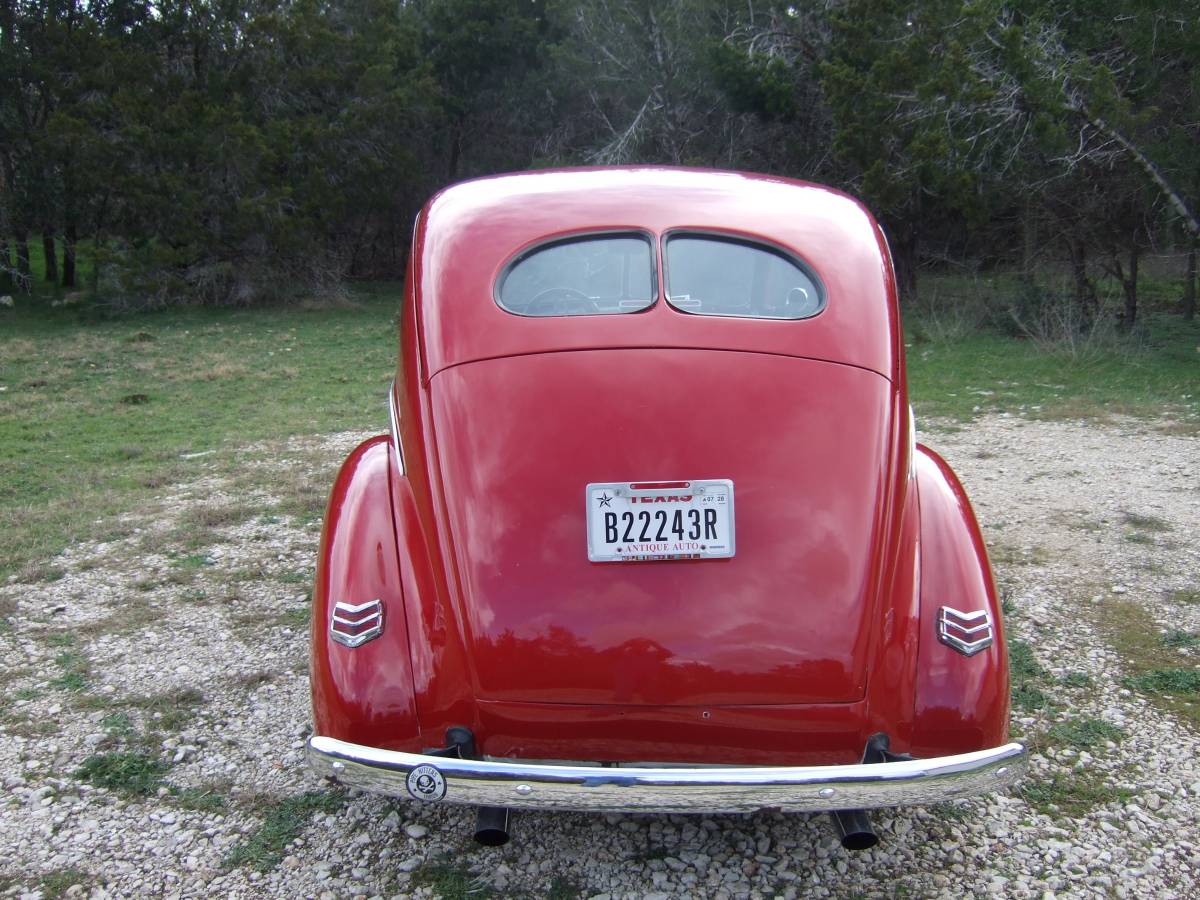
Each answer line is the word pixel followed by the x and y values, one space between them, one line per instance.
pixel 966 632
pixel 426 783
pixel 353 626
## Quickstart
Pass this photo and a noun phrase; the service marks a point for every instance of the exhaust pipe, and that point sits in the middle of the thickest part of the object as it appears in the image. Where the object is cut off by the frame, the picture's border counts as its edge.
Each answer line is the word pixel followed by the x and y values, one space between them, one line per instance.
pixel 854 829
pixel 491 825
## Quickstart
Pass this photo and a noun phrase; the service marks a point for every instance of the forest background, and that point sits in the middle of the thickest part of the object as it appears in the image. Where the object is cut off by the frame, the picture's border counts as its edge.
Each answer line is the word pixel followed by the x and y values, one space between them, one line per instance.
pixel 250 152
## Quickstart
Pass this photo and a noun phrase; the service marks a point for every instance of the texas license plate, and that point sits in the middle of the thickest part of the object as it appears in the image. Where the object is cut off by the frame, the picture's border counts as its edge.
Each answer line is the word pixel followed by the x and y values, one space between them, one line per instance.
pixel 638 521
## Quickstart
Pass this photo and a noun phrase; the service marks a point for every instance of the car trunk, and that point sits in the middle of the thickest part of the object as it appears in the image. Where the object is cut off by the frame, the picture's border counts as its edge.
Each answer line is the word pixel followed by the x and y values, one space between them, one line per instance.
pixel 788 620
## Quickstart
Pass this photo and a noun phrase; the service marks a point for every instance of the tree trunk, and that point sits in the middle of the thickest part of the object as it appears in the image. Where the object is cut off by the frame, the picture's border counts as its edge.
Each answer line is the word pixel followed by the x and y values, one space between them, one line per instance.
pixel 94 281
pixel 6 281
pixel 904 258
pixel 24 279
pixel 1029 242
pixel 69 236
pixel 1130 286
pixel 1189 286
pixel 1085 290
pixel 50 252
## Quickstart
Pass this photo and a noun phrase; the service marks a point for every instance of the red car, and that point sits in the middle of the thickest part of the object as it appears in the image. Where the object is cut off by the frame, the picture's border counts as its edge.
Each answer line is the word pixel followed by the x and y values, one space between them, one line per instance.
pixel 650 531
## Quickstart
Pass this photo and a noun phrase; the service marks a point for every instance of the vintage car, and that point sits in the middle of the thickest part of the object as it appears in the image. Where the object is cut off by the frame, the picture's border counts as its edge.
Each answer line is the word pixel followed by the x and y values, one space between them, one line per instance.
pixel 650 531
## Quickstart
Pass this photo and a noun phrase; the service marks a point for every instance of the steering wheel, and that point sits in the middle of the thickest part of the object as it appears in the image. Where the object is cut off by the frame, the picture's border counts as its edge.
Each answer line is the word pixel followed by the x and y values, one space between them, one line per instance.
pixel 560 301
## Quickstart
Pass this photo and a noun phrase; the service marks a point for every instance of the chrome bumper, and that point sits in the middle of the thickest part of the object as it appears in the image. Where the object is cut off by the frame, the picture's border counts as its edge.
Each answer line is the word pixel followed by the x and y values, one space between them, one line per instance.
pixel 682 790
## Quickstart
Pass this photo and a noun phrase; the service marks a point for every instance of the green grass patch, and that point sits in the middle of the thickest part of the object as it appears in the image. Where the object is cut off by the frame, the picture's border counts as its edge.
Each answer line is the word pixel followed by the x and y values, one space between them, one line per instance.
pixel 220 516
pixel 962 373
pixel 562 888
pixel 1130 631
pixel 200 799
pixel 1146 523
pixel 1186 596
pixel 191 561
pixel 126 772
pixel 171 710
pixel 1165 681
pixel 1027 676
pixel 67 435
pixel 1078 680
pixel 297 617
pixel 1176 639
pixel 73 669
pixel 55 884
pixel 282 823
pixel 450 879
pixel 118 724
pixel 1084 734
pixel 1069 796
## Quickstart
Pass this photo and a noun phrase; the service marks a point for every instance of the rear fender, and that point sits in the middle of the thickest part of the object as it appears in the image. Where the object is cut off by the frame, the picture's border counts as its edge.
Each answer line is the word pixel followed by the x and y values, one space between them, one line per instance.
pixel 365 693
pixel 962 702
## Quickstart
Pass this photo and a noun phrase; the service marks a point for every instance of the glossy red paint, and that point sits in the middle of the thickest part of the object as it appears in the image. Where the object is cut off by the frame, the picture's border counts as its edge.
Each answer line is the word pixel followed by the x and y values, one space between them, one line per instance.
pixel 961 704
pixel 470 232
pixel 367 690
pixel 815 635
pixel 784 621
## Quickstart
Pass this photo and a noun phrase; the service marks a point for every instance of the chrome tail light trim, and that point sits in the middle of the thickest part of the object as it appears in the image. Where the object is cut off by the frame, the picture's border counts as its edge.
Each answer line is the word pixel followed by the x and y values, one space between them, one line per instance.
pixel 352 626
pixel 959 630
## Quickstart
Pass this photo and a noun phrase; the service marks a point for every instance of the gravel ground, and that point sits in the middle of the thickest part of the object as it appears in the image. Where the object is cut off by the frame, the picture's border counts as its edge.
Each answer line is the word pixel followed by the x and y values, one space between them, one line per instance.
pixel 194 659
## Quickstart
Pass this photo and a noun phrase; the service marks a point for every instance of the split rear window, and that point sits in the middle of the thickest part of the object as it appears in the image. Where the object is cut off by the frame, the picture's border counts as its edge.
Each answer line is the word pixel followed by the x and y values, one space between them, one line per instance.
pixel 714 275
pixel 594 275
pixel 706 274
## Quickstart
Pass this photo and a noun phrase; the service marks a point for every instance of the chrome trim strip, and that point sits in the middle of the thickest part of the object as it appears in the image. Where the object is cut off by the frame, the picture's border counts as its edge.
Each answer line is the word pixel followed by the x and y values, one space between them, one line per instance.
pixel 354 639
pixel 347 608
pixel 691 790
pixel 363 621
pixel 949 617
pixel 394 425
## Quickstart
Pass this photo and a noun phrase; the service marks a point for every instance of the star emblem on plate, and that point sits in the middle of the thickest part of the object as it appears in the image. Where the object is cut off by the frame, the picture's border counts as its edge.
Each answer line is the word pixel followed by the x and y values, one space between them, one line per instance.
pixel 605 500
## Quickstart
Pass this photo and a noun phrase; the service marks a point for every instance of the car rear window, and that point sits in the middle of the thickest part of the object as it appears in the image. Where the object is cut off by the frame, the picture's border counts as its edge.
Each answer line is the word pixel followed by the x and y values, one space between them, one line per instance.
pixel 582 276
pixel 714 275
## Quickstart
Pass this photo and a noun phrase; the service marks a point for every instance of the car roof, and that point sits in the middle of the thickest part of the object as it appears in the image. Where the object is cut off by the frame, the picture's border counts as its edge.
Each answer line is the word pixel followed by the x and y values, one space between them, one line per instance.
pixel 468 233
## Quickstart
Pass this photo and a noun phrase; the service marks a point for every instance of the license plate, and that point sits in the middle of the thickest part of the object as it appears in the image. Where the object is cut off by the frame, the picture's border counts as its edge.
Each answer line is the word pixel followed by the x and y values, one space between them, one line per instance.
pixel 639 521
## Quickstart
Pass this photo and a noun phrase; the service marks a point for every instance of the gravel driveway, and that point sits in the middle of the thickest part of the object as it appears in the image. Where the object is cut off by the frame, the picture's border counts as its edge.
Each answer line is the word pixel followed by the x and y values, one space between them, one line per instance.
pixel 155 703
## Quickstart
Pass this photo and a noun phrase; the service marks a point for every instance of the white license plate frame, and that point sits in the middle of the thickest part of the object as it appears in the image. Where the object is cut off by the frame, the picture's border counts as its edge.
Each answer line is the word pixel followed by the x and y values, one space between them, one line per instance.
pixel 617 508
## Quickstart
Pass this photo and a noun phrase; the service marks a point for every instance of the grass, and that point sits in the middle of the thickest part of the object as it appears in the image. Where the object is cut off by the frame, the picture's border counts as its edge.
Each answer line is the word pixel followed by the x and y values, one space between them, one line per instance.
pixel 450 879
pixel 1186 596
pixel 1078 680
pixel 1177 638
pixel 1133 634
pixel 1145 523
pixel 1069 796
pixel 282 823
pixel 75 453
pixel 127 772
pixel 73 672
pixel 1084 734
pixel 172 710
pixel 199 799
pixel 55 884
pixel 1167 682
pixel 963 372
pixel 1027 676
